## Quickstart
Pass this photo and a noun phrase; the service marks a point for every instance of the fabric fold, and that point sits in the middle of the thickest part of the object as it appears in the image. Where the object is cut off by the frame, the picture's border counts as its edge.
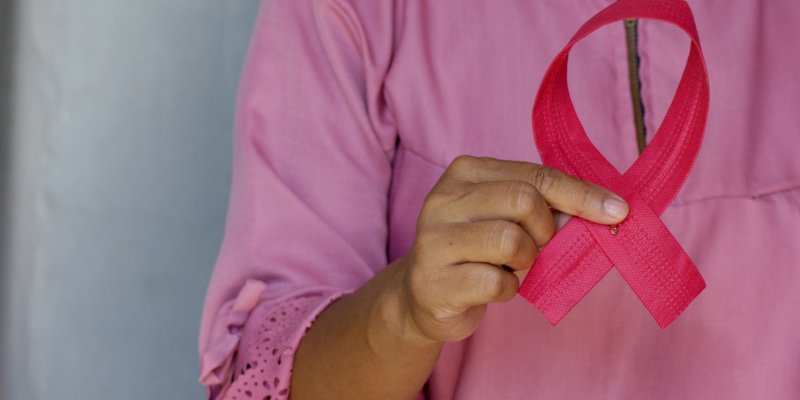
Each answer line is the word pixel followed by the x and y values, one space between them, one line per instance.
pixel 216 362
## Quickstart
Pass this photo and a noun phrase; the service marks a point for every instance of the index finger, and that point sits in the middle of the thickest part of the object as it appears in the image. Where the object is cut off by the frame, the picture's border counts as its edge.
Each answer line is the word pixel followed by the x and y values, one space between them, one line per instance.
pixel 562 191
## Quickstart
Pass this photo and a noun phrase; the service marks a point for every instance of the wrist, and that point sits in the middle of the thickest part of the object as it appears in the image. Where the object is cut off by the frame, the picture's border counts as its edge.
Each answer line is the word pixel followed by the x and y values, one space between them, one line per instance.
pixel 392 317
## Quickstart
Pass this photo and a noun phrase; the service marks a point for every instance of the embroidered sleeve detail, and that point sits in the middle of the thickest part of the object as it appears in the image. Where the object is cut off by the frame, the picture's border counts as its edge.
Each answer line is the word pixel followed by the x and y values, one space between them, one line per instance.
pixel 263 363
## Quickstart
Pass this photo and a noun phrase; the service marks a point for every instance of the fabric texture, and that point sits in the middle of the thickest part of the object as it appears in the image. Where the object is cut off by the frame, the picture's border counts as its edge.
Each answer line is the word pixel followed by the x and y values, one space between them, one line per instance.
pixel 350 110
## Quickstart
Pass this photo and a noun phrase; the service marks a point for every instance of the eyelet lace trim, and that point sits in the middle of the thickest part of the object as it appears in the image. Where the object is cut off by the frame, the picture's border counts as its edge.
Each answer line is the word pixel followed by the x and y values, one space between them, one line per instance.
pixel 264 359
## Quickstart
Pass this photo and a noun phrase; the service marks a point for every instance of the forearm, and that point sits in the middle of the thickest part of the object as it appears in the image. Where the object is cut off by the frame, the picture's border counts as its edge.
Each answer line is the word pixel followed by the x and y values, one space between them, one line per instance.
pixel 364 347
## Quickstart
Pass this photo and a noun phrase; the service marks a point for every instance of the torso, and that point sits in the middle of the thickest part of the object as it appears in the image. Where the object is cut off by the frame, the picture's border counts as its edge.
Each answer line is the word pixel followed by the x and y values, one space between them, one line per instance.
pixel 462 81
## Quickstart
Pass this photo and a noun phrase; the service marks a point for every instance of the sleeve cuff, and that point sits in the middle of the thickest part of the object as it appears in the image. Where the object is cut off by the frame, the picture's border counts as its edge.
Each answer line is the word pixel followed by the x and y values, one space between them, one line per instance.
pixel 254 356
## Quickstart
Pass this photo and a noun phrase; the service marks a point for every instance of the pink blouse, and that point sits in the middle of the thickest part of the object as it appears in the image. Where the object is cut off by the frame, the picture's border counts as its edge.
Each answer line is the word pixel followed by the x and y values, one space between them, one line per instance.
pixel 349 111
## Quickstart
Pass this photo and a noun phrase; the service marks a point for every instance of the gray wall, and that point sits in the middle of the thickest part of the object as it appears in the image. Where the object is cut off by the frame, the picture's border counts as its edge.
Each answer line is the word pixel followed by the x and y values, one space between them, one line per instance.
pixel 115 172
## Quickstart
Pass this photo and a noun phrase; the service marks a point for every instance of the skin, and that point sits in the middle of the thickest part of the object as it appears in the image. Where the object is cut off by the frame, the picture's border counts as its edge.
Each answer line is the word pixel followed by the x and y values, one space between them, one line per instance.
pixel 382 341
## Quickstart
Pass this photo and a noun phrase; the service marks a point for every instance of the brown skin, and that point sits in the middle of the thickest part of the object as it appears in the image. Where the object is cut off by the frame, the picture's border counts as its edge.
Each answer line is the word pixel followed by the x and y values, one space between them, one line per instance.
pixel 382 341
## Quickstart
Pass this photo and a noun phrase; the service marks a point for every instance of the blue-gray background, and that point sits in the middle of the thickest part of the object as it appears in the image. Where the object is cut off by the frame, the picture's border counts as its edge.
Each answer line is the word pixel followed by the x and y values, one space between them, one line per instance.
pixel 115 121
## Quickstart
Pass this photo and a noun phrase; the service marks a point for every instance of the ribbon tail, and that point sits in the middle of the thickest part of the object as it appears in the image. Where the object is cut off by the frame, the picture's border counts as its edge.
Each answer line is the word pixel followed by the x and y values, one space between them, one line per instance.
pixel 652 262
pixel 664 307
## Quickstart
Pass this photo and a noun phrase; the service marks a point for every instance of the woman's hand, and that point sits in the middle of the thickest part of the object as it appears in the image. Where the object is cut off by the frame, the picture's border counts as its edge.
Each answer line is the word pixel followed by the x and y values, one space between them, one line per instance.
pixel 383 341
pixel 482 214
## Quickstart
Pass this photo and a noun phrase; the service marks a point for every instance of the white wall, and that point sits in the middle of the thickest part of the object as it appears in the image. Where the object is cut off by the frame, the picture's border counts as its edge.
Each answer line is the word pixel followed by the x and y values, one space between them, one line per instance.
pixel 116 189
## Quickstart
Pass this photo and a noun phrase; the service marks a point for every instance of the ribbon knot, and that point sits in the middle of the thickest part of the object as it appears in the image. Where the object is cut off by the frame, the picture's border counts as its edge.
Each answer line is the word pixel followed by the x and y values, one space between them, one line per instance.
pixel 641 247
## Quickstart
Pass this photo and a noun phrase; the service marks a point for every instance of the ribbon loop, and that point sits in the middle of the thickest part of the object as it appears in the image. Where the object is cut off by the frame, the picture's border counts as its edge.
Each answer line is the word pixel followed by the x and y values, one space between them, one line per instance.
pixel 641 247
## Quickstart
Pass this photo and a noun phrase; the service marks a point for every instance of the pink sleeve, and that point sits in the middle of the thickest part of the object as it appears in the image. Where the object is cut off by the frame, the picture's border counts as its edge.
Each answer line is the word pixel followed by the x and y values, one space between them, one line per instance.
pixel 313 147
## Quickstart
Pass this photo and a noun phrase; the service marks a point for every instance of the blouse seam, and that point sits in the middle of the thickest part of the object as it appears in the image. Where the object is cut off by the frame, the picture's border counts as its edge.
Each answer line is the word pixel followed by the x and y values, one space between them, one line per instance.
pixel 759 194
pixel 424 157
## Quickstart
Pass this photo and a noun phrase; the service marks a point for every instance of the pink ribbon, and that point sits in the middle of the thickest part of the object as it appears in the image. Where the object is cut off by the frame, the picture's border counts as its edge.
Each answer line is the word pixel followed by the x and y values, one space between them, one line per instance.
pixel 641 248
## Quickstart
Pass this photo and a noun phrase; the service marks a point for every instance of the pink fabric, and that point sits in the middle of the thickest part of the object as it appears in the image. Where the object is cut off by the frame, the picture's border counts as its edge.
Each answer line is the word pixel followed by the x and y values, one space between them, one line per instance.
pixel 349 111
pixel 641 248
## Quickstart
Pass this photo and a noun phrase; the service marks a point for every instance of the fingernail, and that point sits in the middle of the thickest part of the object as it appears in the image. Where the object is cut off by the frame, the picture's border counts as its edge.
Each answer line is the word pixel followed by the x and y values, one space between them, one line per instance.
pixel 615 208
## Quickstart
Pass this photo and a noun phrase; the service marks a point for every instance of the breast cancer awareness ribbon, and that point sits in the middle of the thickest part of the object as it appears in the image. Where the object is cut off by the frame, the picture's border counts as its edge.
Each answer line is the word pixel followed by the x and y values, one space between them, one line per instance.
pixel 641 247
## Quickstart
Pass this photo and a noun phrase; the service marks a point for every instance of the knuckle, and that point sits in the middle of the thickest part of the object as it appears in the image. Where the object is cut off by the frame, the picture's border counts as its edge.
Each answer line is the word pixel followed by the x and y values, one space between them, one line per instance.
pixel 494 284
pixel 463 162
pixel 435 199
pixel 586 200
pixel 468 168
pixel 522 198
pixel 441 199
pixel 545 179
pixel 507 241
